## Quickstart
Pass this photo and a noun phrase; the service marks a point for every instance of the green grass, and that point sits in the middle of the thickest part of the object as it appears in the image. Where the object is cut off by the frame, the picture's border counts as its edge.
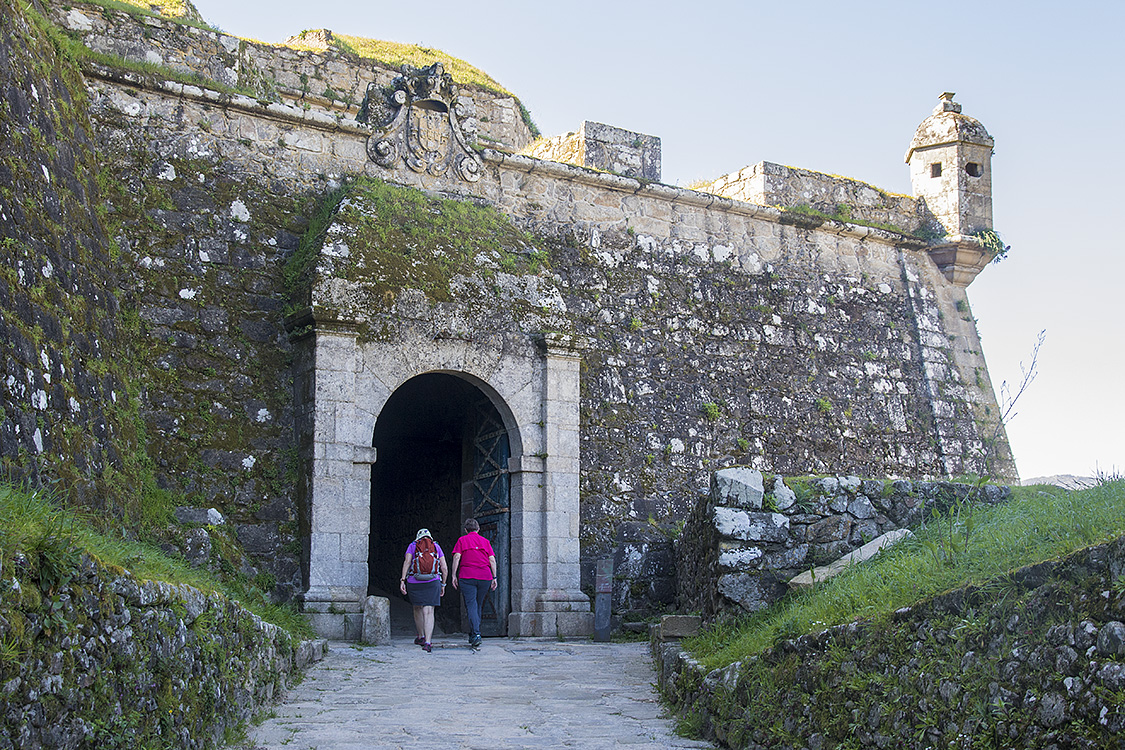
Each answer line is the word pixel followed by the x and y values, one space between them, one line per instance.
pixel 1039 523
pixel 843 213
pixel 36 527
pixel 175 10
pixel 396 54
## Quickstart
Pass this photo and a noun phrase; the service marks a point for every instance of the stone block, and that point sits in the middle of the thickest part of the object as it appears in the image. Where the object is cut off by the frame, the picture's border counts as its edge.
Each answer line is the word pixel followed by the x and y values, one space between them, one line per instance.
pixel 831 529
pixel 750 526
pixel 573 624
pixel 738 487
pixel 376 621
pixel 259 539
pixel 1111 639
pixel 737 557
pixel 354 547
pixel 336 626
pixel 861 507
pixel 679 626
pixel 867 551
pixel 745 590
pixel 784 498
pixel 341 520
pixel 789 558
pixel 209 516
pixel 528 624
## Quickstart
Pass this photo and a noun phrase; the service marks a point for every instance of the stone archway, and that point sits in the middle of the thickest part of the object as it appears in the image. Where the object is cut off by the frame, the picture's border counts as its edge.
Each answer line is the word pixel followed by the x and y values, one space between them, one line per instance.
pixel 344 384
pixel 443 456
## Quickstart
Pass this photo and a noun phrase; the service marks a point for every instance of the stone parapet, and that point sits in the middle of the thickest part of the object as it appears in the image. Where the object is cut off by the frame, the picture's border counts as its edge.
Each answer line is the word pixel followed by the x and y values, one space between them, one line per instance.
pixel 769 184
pixel 323 83
pixel 605 148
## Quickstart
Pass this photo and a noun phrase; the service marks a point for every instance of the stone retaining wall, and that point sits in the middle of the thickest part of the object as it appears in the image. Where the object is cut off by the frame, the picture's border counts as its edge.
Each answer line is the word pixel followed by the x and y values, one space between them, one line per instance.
pixel 95 657
pixel 744 540
pixel 1035 659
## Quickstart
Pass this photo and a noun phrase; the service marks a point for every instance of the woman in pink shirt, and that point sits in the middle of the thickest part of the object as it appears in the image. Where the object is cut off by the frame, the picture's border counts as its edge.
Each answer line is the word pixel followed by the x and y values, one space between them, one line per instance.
pixel 475 561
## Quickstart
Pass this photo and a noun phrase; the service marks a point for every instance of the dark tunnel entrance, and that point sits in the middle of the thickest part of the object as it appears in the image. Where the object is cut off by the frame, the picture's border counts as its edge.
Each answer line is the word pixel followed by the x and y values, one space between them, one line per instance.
pixel 429 469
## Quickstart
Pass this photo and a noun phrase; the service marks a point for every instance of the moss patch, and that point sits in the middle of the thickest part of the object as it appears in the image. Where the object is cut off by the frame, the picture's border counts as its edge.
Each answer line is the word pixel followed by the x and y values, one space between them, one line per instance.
pixel 399 238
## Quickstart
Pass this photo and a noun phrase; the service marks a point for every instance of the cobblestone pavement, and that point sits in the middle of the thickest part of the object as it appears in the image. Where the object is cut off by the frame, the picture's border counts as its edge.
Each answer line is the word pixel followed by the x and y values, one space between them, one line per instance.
pixel 512 693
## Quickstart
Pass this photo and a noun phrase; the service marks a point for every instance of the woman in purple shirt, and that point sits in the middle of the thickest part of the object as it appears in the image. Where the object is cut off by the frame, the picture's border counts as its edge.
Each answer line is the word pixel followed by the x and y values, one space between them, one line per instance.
pixel 424 587
pixel 474 559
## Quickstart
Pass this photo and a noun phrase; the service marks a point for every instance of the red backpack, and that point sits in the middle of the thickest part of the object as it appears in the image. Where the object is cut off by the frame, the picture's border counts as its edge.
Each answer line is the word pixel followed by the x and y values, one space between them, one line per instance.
pixel 425 564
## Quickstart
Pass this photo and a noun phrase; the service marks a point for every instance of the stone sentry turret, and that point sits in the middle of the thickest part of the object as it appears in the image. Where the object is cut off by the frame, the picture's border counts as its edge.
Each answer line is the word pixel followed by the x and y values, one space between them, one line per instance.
pixel 950 160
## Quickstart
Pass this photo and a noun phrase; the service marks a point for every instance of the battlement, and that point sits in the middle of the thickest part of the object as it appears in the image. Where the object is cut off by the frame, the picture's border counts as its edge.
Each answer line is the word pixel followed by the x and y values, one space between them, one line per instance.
pixel 769 184
pixel 603 147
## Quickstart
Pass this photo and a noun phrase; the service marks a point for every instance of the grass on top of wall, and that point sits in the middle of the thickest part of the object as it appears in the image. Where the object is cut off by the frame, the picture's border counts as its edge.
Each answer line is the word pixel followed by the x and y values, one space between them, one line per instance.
pixel 970 547
pixel 396 54
pixel 40 534
pixel 180 11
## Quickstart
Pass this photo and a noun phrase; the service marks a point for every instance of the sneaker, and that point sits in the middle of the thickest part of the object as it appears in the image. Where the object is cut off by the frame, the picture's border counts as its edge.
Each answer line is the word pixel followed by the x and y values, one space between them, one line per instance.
pixel 475 640
pixel 427 647
pixel 419 641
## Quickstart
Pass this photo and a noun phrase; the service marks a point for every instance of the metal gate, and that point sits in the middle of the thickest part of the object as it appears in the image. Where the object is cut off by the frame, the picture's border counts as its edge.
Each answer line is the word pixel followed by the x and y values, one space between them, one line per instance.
pixel 491 508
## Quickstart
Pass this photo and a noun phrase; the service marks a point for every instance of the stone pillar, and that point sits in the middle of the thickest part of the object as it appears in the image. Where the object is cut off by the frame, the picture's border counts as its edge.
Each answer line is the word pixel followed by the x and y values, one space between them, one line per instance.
pixel 548 600
pixel 340 497
pixel 376 621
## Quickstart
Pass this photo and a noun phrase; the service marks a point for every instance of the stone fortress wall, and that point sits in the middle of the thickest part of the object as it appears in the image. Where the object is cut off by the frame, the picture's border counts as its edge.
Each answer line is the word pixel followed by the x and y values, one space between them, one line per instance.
pixel 719 331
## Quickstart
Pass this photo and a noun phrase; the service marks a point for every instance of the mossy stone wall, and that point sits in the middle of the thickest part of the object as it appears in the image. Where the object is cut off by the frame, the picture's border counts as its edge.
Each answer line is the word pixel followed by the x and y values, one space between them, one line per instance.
pixel 67 395
pixel 1032 660
pixel 719 333
pixel 95 658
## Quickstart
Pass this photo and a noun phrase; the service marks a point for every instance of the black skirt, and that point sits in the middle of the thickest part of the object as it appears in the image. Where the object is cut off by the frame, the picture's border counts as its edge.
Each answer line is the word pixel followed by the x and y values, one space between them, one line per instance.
pixel 426 594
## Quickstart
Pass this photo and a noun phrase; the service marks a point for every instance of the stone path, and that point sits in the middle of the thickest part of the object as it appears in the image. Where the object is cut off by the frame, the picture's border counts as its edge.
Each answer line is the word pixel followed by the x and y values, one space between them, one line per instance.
pixel 522 693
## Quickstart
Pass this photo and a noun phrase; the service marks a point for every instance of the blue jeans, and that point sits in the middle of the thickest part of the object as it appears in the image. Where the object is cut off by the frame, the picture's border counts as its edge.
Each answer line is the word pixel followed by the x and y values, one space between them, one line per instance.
pixel 475 591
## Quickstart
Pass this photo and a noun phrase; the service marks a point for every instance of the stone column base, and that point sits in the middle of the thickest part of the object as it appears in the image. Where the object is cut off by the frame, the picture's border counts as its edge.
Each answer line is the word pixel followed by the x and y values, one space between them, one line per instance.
pixel 558 613
pixel 333 616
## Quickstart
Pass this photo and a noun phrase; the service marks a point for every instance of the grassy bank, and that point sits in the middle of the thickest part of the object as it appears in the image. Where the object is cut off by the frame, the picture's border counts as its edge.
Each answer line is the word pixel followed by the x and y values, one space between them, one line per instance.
pixel 35 527
pixel 972 546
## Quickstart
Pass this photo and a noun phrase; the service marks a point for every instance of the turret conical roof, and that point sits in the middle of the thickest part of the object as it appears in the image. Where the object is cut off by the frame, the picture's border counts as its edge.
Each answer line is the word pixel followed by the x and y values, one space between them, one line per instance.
pixel 948 125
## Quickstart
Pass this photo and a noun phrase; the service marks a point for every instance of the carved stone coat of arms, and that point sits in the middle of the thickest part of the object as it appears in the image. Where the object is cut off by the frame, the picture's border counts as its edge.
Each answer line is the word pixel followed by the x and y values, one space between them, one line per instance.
pixel 424 132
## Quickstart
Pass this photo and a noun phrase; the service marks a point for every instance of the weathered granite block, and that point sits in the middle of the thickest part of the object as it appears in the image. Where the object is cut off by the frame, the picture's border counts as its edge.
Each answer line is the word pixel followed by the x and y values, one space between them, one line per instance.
pixel 679 626
pixel 376 621
pixel 751 526
pixel 739 487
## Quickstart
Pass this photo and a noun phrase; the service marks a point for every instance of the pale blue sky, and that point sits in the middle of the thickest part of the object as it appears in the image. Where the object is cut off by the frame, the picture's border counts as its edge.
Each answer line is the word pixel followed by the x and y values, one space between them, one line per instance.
pixel 839 88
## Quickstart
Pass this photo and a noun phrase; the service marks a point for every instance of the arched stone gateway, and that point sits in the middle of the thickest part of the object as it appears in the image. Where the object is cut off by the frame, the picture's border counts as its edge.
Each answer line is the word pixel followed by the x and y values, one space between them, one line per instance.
pixel 425 433
pixel 444 450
